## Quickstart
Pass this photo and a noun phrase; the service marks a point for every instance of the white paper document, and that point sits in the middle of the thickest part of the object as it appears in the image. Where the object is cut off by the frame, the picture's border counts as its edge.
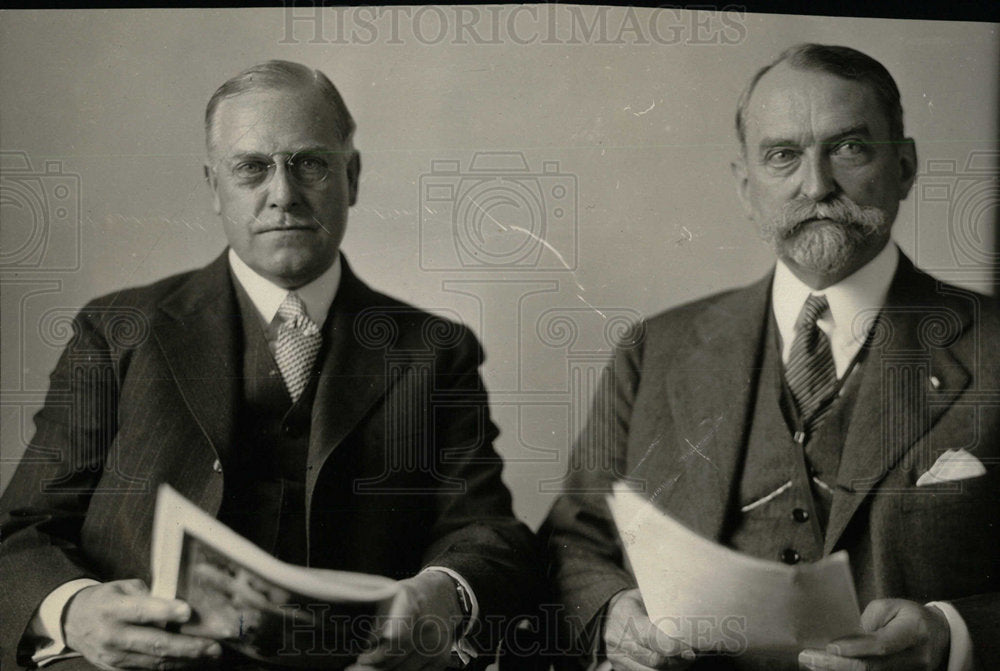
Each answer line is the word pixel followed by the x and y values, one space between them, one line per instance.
pixel 725 600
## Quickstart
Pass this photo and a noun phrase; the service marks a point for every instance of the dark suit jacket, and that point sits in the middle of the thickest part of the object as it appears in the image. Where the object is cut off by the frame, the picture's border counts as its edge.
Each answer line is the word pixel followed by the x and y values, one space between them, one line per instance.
pixel 401 468
pixel 688 377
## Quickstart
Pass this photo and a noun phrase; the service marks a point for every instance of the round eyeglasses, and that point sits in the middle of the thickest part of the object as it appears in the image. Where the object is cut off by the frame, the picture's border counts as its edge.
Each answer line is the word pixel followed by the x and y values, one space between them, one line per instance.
pixel 307 168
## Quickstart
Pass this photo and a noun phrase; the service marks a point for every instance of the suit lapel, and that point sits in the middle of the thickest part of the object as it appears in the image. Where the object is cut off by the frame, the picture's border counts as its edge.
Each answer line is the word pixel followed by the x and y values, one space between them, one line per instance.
pixel 198 337
pixel 910 377
pixel 711 388
pixel 352 377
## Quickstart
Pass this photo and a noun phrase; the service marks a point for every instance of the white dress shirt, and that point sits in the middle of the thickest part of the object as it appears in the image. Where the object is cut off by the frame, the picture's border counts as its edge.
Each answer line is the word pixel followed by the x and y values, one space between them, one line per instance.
pixel 46 626
pixel 854 303
pixel 267 296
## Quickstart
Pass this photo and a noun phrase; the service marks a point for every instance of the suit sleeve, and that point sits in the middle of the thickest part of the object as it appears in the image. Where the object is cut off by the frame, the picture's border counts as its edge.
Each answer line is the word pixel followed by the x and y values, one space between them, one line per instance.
pixel 476 533
pixel 981 614
pixel 586 565
pixel 43 508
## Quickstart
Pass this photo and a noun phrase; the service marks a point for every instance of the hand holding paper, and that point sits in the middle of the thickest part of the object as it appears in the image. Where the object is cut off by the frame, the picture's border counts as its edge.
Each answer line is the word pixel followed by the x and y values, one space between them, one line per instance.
pixel 901 635
pixel 632 641
pixel 727 602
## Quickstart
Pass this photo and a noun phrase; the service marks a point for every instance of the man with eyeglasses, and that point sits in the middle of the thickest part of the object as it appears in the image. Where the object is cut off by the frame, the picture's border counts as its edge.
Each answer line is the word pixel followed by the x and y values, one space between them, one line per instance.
pixel 333 426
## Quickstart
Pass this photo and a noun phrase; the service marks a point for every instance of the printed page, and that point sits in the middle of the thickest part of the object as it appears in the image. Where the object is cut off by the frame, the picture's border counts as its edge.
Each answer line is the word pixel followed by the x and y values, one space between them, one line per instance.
pixel 255 604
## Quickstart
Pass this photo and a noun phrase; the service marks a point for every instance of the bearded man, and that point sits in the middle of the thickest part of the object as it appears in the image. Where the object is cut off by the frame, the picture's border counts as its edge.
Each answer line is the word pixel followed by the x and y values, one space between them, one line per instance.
pixel 841 402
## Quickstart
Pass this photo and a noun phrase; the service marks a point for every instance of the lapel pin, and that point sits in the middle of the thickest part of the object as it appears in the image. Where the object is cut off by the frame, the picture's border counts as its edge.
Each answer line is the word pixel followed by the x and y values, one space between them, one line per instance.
pixel 935 382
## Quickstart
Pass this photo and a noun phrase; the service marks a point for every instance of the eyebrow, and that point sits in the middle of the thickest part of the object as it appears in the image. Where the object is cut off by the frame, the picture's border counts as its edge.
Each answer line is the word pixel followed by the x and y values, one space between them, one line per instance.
pixel 310 149
pixel 860 129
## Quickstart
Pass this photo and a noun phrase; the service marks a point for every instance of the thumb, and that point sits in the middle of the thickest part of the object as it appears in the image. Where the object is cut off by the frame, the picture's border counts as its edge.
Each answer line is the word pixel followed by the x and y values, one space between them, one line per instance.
pixel 878 613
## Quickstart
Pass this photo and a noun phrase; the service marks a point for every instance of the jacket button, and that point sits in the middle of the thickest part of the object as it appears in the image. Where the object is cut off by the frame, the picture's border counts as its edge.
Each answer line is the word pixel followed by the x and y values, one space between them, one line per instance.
pixel 217 466
pixel 800 515
pixel 790 556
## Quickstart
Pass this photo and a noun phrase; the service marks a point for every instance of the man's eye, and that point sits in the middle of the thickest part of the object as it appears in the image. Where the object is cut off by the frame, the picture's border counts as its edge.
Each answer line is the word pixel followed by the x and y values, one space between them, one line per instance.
pixel 850 148
pixel 780 157
pixel 311 164
pixel 250 169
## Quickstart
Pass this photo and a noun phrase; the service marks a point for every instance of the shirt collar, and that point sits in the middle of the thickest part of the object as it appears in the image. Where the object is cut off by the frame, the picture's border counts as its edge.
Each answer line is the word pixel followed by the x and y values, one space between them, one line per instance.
pixel 862 292
pixel 267 296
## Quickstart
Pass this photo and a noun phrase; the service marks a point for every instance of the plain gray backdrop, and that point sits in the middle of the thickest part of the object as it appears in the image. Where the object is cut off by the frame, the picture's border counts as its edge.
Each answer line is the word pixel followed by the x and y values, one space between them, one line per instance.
pixel 612 127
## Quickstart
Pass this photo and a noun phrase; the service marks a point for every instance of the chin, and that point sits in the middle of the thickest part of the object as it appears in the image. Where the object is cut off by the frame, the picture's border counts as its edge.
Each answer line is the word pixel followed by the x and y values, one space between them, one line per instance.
pixel 825 250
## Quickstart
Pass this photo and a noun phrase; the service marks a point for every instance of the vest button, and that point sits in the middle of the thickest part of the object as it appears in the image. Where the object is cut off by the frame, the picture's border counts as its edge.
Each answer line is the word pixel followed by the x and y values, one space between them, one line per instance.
pixel 217 466
pixel 790 556
pixel 800 515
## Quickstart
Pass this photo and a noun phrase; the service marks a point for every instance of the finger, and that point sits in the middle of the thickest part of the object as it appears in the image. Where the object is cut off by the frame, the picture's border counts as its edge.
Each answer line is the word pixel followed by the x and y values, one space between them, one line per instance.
pixel 893 638
pixel 134 586
pixel 137 660
pixel 148 610
pixel 666 637
pixel 158 643
pixel 644 656
pixel 386 655
pixel 634 648
pixel 879 613
pixel 629 664
pixel 818 660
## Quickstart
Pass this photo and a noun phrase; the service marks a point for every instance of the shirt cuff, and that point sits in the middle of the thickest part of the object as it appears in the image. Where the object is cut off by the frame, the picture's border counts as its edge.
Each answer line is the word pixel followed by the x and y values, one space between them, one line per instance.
pixel 960 652
pixel 45 629
pixel 462 647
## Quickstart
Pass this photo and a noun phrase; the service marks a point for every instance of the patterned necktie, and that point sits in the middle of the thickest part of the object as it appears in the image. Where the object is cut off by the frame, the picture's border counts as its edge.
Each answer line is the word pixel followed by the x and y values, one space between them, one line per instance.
pixel 810 371
pixel 298 342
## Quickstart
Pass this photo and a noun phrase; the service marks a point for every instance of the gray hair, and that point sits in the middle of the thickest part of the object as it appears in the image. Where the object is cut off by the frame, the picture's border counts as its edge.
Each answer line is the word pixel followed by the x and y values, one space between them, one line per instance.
pixel 282 75
pixel 839 61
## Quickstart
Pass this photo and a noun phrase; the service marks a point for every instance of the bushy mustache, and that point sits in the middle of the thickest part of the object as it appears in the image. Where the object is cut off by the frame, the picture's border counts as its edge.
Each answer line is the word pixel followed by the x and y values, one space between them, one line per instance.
pixel 840 209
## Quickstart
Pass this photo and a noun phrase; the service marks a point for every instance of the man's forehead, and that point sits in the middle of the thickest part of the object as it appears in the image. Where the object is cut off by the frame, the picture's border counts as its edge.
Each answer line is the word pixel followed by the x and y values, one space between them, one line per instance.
pixel 269 120
pixel 797 102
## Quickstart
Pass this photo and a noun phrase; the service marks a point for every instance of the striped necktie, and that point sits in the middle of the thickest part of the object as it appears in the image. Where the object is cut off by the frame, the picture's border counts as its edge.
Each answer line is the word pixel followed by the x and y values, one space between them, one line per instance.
pixel 810 372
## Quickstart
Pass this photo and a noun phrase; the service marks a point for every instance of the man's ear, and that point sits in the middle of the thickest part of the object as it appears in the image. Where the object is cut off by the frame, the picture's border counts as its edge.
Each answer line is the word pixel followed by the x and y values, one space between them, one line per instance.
pixel 353 176
pixel 739 169
pixel 213 184
pixel 907 166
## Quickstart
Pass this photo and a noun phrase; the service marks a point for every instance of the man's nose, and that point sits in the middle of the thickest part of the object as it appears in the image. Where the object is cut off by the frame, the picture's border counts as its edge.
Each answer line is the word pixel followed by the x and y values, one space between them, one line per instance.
pixel 282 191
pixel 818 180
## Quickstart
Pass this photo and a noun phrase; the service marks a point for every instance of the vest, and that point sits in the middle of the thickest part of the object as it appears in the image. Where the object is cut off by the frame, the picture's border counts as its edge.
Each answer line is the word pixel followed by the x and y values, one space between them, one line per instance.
pixel 264 491
pixel 787 480
pixel 785 487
